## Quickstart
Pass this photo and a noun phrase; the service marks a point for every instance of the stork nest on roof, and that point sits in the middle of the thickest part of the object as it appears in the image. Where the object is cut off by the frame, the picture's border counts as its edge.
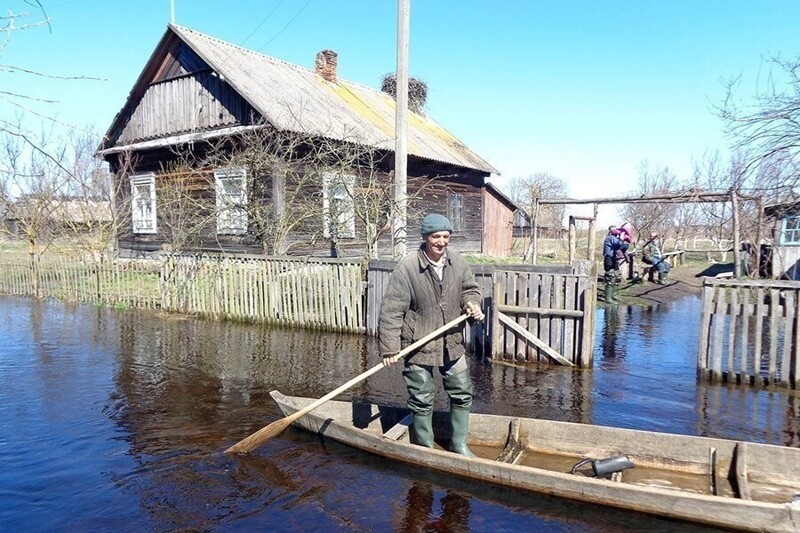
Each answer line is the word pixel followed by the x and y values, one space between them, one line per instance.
pixel 417 91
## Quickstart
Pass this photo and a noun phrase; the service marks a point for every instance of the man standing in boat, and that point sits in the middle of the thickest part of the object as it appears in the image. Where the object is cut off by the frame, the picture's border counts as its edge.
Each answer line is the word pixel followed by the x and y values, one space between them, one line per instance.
pixel 428 288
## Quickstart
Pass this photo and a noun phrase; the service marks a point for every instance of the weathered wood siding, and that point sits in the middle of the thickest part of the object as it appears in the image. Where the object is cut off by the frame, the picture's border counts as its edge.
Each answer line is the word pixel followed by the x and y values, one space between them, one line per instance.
pixel 426 196
pixel 498 221
pixel 431 196
pixel 196 102
pixel 750 332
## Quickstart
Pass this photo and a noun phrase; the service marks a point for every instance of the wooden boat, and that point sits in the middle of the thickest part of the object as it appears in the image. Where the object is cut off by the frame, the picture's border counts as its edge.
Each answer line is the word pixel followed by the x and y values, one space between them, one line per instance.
pixel 738 485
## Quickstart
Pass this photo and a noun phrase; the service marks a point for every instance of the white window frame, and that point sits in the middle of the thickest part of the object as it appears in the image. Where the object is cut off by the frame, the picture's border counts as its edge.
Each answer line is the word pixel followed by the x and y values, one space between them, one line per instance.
pixel 232 216
pixel 143 204
pixel 790 236
pixel 337 191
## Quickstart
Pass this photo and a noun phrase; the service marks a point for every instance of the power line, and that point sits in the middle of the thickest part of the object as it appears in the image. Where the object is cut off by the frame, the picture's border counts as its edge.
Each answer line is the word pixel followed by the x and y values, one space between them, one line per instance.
pixel 263 21
pixel 286 26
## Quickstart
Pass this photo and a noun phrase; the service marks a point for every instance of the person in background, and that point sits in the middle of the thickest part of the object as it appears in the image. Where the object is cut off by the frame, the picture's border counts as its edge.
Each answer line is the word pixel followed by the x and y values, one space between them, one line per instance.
pixel 614 246
pixel 430 287
pixel 652 255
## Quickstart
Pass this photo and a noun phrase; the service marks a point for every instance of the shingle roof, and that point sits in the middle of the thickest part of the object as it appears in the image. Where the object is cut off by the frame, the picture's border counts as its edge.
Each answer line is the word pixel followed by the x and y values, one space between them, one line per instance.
pixel 294 98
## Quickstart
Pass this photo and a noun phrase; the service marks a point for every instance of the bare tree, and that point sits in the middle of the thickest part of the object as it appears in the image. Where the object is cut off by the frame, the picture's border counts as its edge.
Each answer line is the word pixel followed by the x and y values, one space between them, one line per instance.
pixel 526 191
pixel 767 129
pixel 87 215
pixel 18 102
pixel 294 189
pixel 647 217
pixel 30 182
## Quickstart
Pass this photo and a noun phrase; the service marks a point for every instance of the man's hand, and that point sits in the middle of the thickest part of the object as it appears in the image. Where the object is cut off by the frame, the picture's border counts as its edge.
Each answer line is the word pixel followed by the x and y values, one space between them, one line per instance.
pixel 391 359
pixel 474 311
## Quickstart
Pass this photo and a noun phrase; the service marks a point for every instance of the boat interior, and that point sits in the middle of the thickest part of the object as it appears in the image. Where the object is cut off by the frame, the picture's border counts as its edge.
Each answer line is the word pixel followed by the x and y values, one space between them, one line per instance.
pixel 700 465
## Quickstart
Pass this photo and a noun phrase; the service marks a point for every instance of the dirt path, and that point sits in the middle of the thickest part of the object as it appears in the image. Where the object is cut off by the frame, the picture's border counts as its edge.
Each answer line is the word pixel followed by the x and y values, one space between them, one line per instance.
pixel 682 281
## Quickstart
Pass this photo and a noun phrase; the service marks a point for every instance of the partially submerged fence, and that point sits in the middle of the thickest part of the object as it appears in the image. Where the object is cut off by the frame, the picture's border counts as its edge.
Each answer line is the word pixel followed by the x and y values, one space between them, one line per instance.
pixel 750 332
pixel 315 293
pixel 105 282
pixel 543 317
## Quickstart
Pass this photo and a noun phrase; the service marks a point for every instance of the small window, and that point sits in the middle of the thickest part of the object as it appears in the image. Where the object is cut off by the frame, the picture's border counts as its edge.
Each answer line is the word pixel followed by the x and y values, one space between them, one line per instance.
pixel 790 234
pixel 231 188
pixel 455 211
pixel 338 207
pixel 143 203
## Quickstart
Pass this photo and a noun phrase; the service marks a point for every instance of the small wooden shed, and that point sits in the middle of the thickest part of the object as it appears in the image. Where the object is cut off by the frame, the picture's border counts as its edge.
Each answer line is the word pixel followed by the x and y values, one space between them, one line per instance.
pixel 783 250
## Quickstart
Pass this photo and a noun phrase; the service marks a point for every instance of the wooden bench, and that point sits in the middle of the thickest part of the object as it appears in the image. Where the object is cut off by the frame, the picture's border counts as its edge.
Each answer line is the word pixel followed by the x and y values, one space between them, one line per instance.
pixel 674 258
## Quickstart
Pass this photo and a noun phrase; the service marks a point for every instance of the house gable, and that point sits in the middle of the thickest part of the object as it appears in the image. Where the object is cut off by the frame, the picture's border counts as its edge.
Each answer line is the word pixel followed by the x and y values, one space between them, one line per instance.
pixel 177 93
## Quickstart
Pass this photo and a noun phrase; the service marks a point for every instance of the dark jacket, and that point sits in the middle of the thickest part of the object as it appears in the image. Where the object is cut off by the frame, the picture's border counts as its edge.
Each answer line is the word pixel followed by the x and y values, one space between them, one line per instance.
pixel 611 244
pixel 415 304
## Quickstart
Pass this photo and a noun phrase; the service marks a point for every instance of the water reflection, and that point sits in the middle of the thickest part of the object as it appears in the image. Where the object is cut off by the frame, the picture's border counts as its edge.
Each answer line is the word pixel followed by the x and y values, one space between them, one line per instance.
pixel 452 512
pixel 645 378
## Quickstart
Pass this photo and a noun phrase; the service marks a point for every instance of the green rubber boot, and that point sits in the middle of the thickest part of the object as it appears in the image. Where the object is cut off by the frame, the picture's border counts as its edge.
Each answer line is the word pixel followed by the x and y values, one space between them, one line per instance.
pixel 423 429
pixel 608 294
pixel 421 391
pixel 459 419
pixel 459 388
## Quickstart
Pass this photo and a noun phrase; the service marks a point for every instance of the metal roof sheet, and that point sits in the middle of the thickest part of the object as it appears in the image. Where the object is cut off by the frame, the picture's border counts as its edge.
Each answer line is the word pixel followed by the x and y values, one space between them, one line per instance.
pixel 294 98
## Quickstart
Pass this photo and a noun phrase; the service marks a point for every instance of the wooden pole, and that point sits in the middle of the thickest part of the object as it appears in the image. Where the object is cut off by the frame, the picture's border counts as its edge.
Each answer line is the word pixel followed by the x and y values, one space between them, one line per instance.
pixel 757 244
pixel 593 235
pixel 572 238
pixel 737 242
pixel 401 127
pixel 535 232
pixel 497 338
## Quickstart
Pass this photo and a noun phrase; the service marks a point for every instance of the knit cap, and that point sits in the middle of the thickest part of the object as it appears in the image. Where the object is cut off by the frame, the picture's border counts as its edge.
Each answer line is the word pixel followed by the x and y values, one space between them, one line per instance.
pixel 434 222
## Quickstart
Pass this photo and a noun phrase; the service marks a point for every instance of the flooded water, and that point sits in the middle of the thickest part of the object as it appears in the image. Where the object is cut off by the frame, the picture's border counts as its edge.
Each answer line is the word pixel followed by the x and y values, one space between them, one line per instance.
pixel 117 420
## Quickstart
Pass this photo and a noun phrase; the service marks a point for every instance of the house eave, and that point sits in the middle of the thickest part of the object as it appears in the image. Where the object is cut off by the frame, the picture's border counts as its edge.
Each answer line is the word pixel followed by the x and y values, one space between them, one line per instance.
pixel 174 140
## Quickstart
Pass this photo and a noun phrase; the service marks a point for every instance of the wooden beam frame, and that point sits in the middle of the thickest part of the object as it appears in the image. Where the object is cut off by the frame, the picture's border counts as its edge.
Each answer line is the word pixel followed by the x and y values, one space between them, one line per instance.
pixel 533 339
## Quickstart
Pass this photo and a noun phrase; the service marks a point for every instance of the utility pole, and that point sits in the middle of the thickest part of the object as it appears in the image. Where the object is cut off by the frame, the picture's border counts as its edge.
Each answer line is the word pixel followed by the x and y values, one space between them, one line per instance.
pixel 400 128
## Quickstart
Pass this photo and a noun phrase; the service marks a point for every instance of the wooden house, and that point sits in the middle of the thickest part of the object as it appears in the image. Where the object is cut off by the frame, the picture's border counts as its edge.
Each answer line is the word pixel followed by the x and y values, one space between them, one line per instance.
pixel 198 94
pixel 61 215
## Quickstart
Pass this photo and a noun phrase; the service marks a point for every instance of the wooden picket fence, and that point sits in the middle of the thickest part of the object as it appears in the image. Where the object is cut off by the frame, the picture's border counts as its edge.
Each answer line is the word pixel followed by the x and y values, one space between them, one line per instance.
pixel 325 294
pixel 750 332
pixel 74 279
pixel 315 293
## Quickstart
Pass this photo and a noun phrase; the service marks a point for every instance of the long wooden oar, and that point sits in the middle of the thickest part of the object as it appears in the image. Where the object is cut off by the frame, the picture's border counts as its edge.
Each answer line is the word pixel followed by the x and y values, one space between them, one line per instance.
pixel 255 440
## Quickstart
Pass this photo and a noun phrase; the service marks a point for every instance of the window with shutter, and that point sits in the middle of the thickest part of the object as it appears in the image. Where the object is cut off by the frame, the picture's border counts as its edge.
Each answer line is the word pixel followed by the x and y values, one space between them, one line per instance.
pixel 231 189
pixel 143 203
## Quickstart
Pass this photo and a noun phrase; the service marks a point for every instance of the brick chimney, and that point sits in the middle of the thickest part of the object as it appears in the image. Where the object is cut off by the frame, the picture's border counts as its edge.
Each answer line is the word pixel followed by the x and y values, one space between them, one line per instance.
pixel 325 65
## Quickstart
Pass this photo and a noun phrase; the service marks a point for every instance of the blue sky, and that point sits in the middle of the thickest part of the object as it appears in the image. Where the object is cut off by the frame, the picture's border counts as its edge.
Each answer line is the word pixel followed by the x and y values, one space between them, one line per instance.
pixel 583 90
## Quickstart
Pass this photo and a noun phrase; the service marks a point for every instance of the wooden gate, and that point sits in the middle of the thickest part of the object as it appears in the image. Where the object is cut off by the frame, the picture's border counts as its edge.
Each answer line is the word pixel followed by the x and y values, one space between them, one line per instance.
pixel 561 310
pixel 543 318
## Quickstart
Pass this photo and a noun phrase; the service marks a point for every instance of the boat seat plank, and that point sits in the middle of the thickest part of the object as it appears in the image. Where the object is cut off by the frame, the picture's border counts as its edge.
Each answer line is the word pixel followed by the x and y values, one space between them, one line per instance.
pixel 741 472
pixel 399 430
pixel 712 469
pixel 513 450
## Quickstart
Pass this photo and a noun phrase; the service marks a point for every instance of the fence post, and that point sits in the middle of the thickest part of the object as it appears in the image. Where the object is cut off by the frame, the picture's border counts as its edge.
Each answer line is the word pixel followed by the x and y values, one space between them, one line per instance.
pixel 497 295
